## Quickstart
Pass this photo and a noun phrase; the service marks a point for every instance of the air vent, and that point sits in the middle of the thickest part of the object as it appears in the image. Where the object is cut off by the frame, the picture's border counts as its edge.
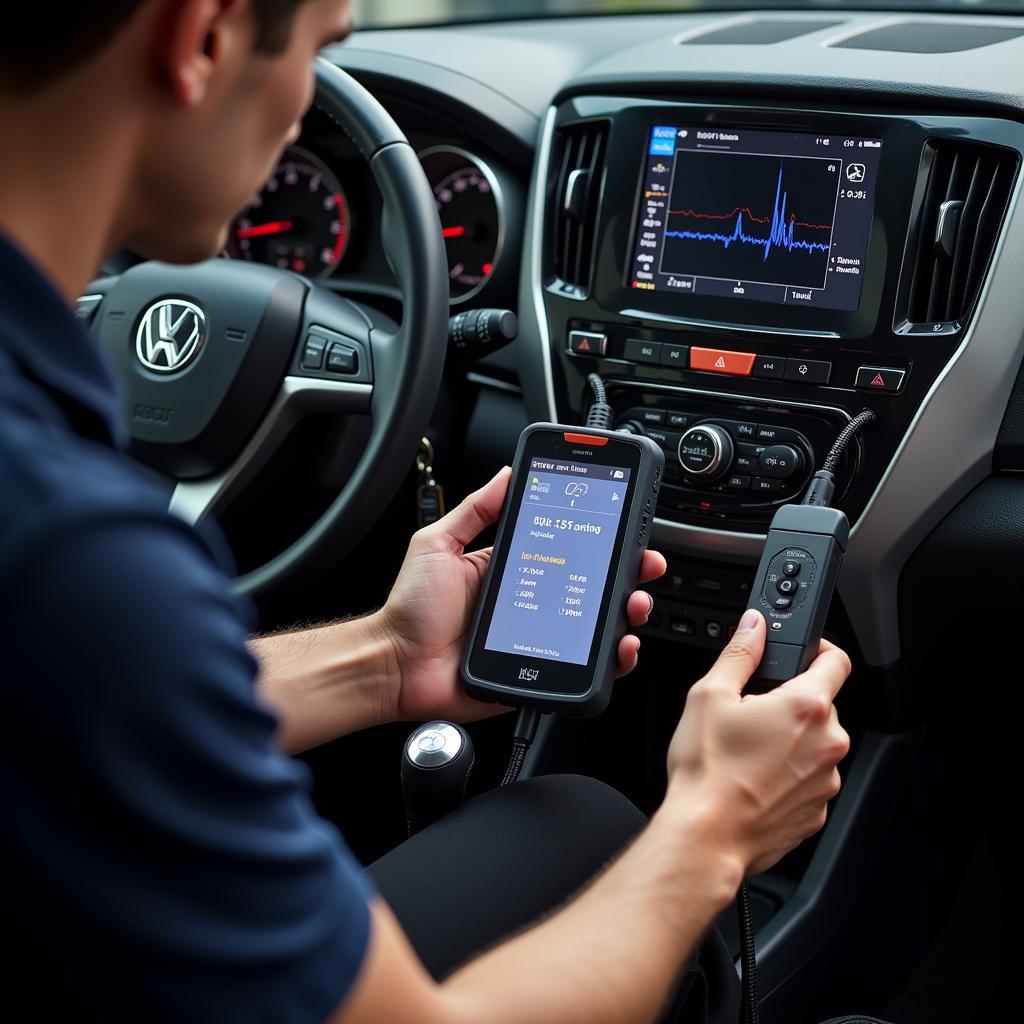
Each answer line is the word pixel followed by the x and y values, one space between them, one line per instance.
pixel 579 159
pixel 758 32
pixel 965 199
pixel 929 37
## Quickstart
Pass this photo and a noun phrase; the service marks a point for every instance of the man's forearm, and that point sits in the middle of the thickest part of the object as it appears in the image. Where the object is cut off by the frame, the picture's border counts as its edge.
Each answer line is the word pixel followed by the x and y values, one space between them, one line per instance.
pixel 327 682
pixel 613 954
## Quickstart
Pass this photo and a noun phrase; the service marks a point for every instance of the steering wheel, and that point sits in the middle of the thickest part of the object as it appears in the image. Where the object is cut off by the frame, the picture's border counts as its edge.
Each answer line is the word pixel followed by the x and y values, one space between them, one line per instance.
pixel 220 360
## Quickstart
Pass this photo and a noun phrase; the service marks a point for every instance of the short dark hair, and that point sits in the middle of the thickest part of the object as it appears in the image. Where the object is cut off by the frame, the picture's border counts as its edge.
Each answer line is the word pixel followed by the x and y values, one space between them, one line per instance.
pixel 38 44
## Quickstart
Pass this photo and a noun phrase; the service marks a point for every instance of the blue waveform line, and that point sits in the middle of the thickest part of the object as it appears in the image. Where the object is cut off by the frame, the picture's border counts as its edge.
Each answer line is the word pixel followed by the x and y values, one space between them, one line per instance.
pixel 780 233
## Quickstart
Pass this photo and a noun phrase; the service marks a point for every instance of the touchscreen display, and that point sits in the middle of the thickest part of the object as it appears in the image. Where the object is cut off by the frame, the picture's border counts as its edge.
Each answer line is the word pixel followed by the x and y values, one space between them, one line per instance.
pixel 558 561
pixel 774 216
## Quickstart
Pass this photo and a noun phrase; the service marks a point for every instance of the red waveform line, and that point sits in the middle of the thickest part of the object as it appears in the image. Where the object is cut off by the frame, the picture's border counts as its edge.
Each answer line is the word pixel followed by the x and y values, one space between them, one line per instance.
pixel 750 214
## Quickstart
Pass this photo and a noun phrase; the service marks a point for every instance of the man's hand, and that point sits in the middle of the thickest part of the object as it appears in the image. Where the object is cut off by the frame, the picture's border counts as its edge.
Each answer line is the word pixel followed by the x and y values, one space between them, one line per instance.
pixel 431 607
pixel 763 767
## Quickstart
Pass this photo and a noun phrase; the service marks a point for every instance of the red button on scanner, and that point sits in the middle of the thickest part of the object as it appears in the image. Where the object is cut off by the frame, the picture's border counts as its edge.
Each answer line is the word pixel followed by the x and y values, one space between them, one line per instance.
pixel 716 360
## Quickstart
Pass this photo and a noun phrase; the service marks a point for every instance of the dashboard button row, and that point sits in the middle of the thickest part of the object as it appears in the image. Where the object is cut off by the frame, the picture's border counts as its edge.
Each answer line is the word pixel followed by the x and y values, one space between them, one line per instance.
pixel 709 360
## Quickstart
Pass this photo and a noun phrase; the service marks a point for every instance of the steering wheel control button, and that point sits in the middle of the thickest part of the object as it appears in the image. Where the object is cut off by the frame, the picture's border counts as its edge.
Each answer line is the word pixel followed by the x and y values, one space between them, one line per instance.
pixel 808 371
pixel 779 461
pixel 675 355
pixel 716 360
pixel 638 351
pixel 790 568
pixel 86 308
pixel 587 343
pixel 705 451
pixel 769 367
pixel 880 378
pixel 313 353
pixel 782 604
pixel 787 587
pixel 342 359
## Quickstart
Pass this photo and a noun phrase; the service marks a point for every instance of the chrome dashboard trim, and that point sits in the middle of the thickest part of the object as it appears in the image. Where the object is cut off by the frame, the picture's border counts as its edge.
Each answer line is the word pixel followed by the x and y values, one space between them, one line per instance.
pixel 938 468
pixel 535 257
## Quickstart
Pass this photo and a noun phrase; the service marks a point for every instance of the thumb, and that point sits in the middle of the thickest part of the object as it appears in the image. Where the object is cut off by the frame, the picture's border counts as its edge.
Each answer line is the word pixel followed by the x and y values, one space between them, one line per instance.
pixel 742 655
pixel 480 510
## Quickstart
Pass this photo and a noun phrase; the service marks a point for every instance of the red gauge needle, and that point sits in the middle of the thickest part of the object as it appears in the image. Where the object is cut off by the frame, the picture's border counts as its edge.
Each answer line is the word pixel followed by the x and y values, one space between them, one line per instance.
pixel 453 232
pixel 275 227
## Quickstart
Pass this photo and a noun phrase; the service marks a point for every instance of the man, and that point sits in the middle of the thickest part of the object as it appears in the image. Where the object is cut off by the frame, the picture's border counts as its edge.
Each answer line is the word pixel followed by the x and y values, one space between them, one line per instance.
pixel 165 863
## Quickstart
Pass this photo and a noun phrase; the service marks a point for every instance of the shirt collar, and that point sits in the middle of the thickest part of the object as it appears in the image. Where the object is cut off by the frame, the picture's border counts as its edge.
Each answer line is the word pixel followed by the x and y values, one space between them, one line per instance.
pixel 43 335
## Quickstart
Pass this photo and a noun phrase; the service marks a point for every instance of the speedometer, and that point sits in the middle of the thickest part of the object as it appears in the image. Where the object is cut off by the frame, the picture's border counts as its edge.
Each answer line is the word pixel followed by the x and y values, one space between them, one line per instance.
pixel 469 202
pixel 300 221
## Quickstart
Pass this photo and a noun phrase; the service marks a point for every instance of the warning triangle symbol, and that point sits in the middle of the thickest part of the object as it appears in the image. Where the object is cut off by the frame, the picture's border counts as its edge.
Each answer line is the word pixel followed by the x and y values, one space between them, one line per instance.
pixel 878 381
pixel 720 363
pixel 584 346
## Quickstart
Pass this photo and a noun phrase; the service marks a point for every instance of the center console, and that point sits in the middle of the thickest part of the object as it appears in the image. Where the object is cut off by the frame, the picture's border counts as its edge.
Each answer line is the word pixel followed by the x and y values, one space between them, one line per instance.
pixel 747 279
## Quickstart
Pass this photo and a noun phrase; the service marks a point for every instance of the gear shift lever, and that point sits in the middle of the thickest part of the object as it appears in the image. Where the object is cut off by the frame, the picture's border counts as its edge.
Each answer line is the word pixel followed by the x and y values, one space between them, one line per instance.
pixel 436 764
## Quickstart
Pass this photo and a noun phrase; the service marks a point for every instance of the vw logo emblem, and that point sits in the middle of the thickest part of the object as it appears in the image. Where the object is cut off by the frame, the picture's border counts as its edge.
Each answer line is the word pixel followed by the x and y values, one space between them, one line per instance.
pixel 170 335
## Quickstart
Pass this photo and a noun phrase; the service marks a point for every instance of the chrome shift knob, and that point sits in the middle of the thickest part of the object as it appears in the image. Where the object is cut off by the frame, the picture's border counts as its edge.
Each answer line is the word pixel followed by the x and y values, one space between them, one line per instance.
pixel 436 764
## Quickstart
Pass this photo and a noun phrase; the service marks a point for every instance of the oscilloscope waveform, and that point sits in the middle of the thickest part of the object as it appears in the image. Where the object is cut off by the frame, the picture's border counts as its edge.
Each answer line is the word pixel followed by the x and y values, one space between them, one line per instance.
pixel 780 231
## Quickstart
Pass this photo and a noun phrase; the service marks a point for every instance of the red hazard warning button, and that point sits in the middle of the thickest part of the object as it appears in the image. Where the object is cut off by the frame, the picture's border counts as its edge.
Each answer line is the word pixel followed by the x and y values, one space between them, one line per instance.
pixel 880 378
pixel 587 343
pixel 715 360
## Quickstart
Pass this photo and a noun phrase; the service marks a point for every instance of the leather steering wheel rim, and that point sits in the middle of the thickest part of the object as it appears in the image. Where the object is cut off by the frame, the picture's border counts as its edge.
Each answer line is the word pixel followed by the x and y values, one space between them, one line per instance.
pixel 408 365
pixel 412 361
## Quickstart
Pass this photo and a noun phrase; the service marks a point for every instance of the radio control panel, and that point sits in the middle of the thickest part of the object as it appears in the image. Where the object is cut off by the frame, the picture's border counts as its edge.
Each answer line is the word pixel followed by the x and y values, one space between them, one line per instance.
pixel 729 461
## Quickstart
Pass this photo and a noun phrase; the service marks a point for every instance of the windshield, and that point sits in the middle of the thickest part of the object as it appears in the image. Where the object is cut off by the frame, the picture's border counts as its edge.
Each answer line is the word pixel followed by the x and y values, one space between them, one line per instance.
pixel 384 13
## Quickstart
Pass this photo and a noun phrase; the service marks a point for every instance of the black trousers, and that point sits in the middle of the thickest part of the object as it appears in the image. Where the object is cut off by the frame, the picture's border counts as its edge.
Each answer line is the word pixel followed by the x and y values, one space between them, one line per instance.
pixel 511 856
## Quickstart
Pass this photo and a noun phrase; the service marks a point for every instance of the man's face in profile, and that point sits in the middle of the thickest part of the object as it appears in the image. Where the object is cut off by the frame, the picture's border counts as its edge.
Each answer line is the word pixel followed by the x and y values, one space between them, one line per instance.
pixel 204 160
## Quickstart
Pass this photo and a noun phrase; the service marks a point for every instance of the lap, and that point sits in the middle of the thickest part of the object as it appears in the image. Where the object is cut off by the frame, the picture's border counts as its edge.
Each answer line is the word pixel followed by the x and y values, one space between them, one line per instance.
pixel 511 856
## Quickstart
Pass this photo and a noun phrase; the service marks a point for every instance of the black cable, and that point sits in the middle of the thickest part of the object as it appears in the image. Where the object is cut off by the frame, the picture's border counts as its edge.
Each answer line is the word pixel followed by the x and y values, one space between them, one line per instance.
pixel 823 483
pixel 819 492
pixel 600 415
pixel 846 435
pixel 751 1005
pixel 522 737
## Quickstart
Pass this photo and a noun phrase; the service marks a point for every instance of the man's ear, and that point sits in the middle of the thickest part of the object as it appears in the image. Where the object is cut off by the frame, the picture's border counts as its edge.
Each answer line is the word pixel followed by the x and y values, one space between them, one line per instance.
pixel 197 39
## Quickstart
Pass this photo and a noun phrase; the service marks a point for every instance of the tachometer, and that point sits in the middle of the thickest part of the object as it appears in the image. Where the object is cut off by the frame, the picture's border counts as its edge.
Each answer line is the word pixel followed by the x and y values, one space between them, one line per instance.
pixel 472 217
pixel 300 221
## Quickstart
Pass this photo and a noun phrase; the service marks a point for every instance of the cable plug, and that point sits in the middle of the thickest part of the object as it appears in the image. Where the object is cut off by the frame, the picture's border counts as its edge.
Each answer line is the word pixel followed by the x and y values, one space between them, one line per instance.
pixel 820 489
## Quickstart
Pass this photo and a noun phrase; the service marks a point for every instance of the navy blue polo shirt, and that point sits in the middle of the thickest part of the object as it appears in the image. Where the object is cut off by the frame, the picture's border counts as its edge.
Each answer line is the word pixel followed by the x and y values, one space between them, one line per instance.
pixel 162 860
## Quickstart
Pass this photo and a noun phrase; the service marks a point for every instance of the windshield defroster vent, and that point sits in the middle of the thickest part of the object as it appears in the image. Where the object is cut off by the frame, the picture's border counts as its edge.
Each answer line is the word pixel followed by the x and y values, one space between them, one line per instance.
pixel 965 198
pixel 579 159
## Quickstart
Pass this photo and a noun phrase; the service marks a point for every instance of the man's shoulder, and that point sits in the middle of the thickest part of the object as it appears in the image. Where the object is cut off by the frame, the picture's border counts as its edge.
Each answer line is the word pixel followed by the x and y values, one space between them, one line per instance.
pixel 50 477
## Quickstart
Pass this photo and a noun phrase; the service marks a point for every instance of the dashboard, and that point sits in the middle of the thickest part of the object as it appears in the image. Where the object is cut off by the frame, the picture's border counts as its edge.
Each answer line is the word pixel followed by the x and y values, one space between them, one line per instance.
pixel 752 227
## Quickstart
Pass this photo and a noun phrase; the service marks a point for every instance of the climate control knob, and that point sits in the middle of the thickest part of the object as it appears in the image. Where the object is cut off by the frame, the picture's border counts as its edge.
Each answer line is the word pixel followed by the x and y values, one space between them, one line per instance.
pixel 705 451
